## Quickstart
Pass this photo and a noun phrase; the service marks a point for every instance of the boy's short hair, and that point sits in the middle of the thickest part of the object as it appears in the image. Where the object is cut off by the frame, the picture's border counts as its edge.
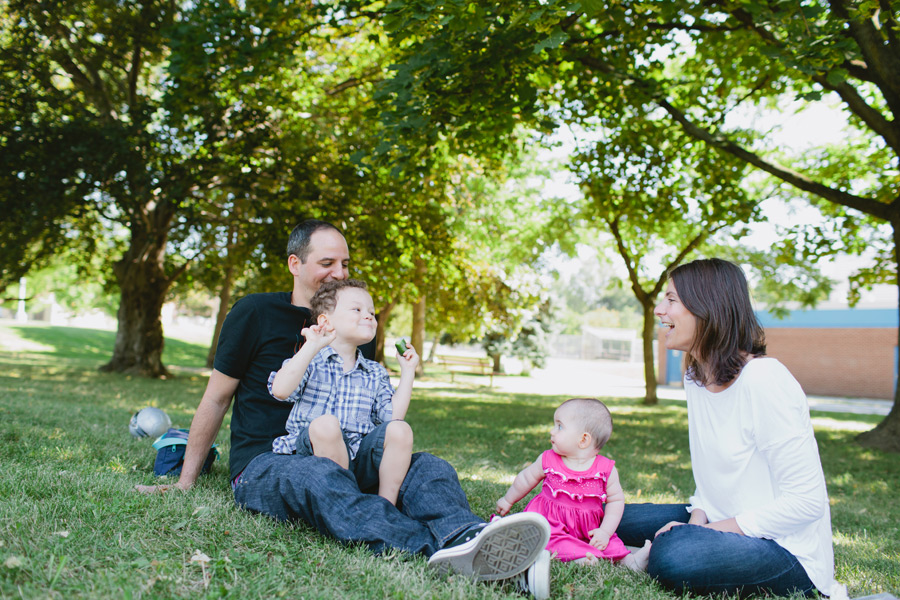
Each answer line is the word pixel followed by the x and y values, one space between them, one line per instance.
pixel 325 299
pixel 595 416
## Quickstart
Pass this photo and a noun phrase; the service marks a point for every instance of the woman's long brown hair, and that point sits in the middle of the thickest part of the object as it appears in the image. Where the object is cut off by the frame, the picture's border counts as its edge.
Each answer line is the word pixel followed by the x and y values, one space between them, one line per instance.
pixel 715 291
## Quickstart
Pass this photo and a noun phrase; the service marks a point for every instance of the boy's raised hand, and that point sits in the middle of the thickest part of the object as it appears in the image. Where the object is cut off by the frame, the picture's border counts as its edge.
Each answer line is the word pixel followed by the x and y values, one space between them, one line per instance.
pixel 318 336
pixel 409 359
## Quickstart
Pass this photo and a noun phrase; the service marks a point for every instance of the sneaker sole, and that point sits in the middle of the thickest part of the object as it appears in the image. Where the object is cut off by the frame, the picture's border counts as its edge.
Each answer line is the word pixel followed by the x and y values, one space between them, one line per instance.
pixel 503 549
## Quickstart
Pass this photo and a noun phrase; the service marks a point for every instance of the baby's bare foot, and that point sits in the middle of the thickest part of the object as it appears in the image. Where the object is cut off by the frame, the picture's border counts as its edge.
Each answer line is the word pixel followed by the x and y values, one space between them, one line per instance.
pixel 638 560
pixel 589 560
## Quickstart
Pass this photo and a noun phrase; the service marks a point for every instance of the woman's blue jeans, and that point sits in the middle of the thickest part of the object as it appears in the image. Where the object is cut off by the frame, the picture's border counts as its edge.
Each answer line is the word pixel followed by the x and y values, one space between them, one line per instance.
pixel 431 507
pixel 702 561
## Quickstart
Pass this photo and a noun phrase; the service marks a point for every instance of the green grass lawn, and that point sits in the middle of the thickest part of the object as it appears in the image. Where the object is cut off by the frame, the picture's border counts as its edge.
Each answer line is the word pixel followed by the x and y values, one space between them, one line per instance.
pixel 71 526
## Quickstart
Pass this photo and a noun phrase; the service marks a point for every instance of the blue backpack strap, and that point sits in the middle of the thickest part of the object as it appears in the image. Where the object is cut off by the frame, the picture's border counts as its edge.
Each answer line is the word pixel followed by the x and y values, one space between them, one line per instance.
pixel 173 437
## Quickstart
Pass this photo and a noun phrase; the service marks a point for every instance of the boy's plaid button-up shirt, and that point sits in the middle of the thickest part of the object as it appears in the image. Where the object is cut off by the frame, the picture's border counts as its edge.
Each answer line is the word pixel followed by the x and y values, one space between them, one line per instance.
pixel 360 398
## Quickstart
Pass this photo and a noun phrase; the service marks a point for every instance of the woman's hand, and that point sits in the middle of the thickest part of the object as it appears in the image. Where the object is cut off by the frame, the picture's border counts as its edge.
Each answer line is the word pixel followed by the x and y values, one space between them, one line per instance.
pixel 668 526
pixel 726 525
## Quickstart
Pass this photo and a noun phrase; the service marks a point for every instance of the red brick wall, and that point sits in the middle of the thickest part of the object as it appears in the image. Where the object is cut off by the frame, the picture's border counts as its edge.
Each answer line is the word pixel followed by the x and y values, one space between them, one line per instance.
pixel 852 362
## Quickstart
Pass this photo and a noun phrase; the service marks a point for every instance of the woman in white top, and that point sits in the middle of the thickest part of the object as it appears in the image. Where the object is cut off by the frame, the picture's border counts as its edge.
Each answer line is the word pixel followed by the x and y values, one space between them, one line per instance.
pixel 759 520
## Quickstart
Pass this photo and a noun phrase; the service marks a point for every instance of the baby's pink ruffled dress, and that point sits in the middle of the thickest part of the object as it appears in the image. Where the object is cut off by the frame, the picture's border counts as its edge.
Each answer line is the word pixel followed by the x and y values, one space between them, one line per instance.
pixel 572 501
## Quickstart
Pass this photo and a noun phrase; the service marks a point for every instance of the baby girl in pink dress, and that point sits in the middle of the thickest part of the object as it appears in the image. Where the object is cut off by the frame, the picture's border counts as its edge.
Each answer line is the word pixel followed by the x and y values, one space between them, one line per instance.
pixel 581 496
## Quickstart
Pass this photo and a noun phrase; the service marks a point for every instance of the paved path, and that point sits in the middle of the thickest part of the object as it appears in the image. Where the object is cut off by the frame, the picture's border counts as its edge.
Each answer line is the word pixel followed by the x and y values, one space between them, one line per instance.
pixel 571 377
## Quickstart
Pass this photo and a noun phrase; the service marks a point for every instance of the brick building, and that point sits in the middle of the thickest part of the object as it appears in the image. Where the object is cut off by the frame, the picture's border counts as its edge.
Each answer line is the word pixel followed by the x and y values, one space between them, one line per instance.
pixel 839 352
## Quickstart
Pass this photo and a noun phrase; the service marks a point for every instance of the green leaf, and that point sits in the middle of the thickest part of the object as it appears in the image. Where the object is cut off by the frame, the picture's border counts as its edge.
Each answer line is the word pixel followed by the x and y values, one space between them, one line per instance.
pixel 557 38
pixel 837 76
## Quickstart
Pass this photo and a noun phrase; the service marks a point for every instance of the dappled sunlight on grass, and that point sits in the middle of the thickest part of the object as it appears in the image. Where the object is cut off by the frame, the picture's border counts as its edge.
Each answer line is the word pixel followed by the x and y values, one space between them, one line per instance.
pixel 116 465
pixel 34 342
pixel 63 454
pixel 490 438
pixel 69 464
pixel 860 555
pixel 12 341
pixel 829 423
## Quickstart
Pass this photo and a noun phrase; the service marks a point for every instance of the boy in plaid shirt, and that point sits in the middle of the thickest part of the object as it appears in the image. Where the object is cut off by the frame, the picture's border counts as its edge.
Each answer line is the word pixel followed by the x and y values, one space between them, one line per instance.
pixel 344 406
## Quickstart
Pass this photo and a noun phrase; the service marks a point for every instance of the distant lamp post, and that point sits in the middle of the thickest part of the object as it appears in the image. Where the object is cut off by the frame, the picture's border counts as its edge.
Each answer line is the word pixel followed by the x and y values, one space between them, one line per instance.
pixel 21 315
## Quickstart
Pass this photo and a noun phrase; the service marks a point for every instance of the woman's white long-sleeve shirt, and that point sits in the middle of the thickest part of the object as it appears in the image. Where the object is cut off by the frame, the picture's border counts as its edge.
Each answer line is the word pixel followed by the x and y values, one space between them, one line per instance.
pixel 755 458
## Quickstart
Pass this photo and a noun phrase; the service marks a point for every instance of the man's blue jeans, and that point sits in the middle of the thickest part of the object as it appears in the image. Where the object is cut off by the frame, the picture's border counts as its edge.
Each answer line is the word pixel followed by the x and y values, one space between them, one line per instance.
pixel 431 508
pixel 703 561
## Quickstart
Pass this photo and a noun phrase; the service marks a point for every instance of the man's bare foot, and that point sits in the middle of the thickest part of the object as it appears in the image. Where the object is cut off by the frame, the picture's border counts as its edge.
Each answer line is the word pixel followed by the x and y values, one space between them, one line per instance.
pixel 637 560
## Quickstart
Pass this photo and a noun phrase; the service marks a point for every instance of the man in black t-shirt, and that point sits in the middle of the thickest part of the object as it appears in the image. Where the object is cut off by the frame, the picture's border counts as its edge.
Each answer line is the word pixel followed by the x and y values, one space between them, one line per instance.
pixel 432 516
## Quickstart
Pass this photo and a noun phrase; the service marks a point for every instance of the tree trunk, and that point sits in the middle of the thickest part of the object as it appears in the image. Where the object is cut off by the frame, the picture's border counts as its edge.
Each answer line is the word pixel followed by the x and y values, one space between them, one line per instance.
pixel 433 352
pixel 418 332
pixel 417 338
pixel 886 435
pixel 497 368
pixel 143 284
pixel 648 333
pixel 139 338
pixel 224 295
pixel 382 318
pixel 224 306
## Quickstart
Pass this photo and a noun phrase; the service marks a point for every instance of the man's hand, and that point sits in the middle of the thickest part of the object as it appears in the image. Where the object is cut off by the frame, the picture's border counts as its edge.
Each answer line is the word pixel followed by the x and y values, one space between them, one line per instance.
pixel 160 489
pixel 599 538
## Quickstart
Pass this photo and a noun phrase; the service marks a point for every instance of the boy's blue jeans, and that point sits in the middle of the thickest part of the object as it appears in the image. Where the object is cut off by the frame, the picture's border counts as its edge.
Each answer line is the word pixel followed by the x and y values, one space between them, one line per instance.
pixel 703 561
pixel 368 457
pixel 431 508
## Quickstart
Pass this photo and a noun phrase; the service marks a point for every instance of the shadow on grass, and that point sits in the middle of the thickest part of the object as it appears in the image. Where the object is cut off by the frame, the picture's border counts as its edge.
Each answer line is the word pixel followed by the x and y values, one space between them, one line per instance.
pixel 94 345
pixel 66 453
pixel 489 436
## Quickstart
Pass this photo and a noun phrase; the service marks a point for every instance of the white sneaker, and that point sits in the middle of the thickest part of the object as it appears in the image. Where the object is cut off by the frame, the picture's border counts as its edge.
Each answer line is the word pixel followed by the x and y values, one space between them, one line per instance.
pixel 502 549
pixel 536 580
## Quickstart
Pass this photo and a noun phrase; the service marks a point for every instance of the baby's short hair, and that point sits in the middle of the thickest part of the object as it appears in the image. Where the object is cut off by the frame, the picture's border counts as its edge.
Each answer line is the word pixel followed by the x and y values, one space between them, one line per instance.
pixel 325 299
pixel 595 417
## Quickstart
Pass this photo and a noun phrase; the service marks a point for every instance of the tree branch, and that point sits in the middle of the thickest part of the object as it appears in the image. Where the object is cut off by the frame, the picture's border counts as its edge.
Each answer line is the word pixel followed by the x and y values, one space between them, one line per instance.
pixel 84 76
pixel 881 58
pixel 858 105
pixel 613 225
pixel 869 206
pixel 353 82
pixel 888 22
pixel 866 71
pixel 798 180
pixel 133 72
pixel 679 258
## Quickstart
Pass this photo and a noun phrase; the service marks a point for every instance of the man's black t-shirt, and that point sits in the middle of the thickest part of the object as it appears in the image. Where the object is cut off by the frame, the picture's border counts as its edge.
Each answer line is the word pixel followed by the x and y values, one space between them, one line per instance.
pixel 260 331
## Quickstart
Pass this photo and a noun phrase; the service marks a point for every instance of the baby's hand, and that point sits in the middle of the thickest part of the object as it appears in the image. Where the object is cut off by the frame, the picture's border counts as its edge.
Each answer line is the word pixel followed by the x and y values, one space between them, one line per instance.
pixel 318 336
pixel 409 359
pixel 599 538
pixel 503 507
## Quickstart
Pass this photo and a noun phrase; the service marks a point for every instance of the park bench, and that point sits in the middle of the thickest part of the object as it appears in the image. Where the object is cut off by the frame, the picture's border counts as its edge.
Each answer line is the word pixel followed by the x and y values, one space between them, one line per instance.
pixel 472 364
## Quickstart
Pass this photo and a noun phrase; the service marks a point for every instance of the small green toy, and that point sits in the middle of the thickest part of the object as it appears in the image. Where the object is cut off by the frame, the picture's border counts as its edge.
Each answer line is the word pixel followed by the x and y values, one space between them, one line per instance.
pixel 401 346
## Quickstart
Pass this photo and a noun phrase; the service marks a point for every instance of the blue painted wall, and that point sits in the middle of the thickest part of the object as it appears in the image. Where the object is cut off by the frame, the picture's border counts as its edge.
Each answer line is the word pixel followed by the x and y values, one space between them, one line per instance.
pixel 821 319
pixel 673 365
